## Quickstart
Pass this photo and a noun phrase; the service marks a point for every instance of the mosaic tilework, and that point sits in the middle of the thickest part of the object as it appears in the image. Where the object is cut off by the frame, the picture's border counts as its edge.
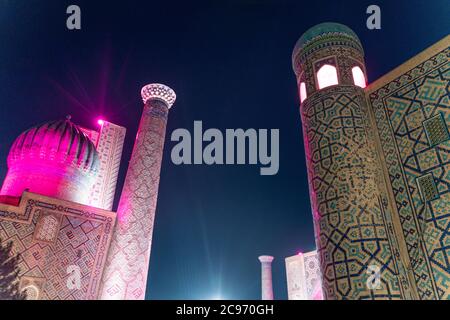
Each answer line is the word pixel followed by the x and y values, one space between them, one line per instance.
pixel 304 277
pixel 351 210
pixel 411 112
pixel 312 275
pixel 436 129
pixel 346 199
pixel 51 235
pixel 427 187
pixel 126 269
pixel 47 228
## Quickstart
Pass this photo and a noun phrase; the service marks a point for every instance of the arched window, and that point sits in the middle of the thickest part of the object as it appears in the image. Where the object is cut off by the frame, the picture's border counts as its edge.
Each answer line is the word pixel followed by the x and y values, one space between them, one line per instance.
pixel 327 76
pixel 302 92
pixel 358 77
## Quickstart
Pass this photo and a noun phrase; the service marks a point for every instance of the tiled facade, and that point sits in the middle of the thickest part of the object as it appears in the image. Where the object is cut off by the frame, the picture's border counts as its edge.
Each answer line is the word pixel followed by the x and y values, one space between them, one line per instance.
pixel 378 169
pixel 411 112
pixel 54 238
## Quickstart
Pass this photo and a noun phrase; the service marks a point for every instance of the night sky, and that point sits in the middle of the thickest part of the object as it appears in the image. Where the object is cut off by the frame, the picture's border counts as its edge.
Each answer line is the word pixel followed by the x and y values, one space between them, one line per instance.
pixel 230 65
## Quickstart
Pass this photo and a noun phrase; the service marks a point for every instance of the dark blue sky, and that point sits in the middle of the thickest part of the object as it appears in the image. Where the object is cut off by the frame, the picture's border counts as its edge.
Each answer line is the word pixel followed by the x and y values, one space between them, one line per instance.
pixel 230 65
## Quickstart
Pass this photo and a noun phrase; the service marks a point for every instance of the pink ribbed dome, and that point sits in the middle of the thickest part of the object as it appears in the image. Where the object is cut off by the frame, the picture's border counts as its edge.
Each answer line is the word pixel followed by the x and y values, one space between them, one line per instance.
pixel 54 159
pixel 60 141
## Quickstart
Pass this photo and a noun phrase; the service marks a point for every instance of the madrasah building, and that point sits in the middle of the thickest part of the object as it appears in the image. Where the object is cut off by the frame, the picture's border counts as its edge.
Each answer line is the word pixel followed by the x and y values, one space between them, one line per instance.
pixel 56 200
pixel 378 160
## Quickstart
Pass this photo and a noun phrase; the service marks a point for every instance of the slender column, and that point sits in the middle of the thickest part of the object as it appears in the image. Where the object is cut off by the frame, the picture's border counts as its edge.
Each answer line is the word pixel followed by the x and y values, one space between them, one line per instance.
pixel 125 275
pixel 266 277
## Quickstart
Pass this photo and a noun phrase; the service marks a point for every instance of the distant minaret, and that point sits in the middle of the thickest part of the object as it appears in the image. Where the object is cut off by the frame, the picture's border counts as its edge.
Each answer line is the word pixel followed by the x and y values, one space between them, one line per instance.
pixel 266 277
pixel 125 275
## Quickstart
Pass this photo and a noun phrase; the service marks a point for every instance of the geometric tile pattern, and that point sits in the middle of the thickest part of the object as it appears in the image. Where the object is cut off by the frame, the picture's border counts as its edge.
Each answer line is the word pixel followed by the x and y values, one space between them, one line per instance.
pixel 343 172
pixel 411 110
pixel 50 235
pixel 436 129
pixel 295 278
pixel 345 52
pixel 427 187
pixel 348 206
pixel 126 270
pixel 312 275
pixel 304 277
pixel 47 228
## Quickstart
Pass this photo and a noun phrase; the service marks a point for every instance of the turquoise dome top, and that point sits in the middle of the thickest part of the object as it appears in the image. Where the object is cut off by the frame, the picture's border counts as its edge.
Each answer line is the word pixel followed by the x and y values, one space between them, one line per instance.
pixel 322 29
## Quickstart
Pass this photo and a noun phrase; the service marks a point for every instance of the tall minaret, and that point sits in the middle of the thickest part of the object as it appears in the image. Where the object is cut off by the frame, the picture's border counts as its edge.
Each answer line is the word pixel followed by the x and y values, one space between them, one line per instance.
pixel 125 274
pixel 266 277
pixel 345 176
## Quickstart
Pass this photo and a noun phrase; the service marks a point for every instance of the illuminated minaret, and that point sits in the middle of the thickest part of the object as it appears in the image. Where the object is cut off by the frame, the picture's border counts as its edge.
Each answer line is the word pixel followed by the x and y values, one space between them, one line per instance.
pixel 346 183
pixel 125 275
pixel 266 277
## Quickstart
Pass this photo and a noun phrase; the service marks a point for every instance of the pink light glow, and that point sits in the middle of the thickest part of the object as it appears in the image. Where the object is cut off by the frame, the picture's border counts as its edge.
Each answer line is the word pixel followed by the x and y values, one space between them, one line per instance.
pixel 358 77
pixel 56 161
pixel 327 76
pixel 300 253
pixel 317 293
pixel 302 92
pixel 101 122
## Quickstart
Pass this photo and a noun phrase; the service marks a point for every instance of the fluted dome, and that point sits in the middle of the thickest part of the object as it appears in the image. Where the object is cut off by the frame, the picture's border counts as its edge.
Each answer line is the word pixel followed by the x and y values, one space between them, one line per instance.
pixel 61 141
pixel 54 159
